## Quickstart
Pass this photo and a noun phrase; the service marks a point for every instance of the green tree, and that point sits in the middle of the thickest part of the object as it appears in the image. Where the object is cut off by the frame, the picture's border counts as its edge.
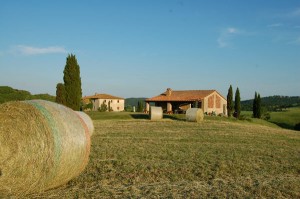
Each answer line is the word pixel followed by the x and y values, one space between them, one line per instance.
pixel 128 108
pixel 237 104
pixel 230 102
pixel 88 106
pixel 72 82
pixel 254 109
pixel 140 106
pixel 103 107
pixel 60 94
pixel 109 107
pixel 259 110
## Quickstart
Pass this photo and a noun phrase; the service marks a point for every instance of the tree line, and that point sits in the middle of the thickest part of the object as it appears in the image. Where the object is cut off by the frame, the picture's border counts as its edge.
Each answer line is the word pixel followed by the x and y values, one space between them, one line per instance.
pixel 273 103
pixel 234 107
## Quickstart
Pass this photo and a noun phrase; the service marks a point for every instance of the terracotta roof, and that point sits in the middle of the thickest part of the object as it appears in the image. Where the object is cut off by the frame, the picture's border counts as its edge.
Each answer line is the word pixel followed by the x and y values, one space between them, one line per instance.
pixel 185 95
pixel 101 96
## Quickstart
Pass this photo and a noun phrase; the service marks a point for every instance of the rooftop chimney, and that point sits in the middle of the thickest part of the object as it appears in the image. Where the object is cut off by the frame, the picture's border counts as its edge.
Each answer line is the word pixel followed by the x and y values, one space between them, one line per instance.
pixel 169 92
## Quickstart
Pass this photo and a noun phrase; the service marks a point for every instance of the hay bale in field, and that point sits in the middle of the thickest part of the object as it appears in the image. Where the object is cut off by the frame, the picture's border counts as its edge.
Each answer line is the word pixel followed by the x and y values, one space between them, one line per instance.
pixel 87 120
pixel 42 145
pixel 156 113
pixel 194 115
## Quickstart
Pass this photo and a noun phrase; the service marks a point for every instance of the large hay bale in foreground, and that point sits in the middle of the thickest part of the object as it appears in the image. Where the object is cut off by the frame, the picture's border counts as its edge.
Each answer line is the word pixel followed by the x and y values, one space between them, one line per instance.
pixel 42 145
pixel 156 113
pixel 87 120
pixel 194 115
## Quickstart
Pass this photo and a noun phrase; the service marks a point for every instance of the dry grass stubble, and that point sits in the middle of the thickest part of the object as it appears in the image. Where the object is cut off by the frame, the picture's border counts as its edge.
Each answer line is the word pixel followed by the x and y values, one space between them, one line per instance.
pixel 177 159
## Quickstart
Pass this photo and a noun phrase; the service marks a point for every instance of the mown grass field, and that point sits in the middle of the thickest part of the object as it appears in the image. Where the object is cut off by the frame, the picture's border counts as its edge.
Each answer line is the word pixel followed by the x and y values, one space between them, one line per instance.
pixel 287 118
pixel 132 157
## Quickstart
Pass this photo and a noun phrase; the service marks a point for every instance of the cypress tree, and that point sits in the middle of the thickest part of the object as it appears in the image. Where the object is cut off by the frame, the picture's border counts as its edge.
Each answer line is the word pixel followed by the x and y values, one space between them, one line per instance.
pixel 258 106
pixel 229 102
pixel 140 106
pixel 72 83
pixel 60 94
pixel 255 105
pixel 237 103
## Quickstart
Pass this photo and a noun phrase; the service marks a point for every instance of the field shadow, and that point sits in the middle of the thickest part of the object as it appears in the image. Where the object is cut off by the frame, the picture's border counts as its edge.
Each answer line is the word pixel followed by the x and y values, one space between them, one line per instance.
pixel 284 125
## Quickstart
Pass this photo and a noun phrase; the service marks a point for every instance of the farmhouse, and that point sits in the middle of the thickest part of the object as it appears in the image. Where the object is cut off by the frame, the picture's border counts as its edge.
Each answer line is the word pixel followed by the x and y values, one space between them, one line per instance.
pixel 172 101
pixel 112 102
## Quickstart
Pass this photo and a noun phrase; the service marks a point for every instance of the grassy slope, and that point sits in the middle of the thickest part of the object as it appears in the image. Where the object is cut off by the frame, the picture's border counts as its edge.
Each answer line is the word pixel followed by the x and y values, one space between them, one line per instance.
pixel 286 119
pixel 135 158
pixel 9 94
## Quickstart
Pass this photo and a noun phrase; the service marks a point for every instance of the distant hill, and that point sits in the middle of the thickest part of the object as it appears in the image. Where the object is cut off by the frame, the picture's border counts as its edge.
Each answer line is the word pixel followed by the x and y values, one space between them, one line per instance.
pixel 273 103
pixel 133 101
pixel 10 94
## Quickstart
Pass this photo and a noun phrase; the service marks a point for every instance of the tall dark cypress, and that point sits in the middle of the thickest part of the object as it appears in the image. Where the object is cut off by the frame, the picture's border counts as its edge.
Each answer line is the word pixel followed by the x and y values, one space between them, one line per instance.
pixel 255 105
pixel 258 106
pixel 72 82
pixel 60 94
pixel 140 106
pixel 230 102
pixel 237 103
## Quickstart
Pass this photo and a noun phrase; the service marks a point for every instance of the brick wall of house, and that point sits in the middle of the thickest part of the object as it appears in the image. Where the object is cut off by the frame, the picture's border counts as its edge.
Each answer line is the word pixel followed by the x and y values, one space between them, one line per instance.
pixel 218 101
pixel 211 102
pixel 215 103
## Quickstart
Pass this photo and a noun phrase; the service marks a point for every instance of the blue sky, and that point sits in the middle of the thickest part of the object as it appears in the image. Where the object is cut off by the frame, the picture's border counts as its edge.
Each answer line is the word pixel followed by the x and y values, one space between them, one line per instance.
pixel 138 48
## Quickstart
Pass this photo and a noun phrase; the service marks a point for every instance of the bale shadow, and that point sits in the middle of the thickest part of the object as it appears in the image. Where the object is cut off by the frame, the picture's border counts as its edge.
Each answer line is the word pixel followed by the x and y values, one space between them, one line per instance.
pixel 173 117
pixel 143 116
pixel 140 116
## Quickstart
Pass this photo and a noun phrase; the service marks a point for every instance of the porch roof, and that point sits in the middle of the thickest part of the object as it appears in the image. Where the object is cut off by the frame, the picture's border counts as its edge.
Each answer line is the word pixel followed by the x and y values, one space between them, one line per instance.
pixel 181 95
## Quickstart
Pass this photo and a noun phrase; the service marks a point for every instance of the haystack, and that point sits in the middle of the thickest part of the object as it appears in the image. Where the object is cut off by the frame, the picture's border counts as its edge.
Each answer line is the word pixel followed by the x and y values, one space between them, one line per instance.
pixel 42 145
pixel 194 115
pixel 87 120
pixel 156 113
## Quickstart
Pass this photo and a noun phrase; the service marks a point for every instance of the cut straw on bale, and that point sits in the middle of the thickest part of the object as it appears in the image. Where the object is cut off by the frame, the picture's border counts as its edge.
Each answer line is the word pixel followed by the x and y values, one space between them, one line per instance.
pixel 87 120
pixel 42 145
pixel 156 113
pixel 194 115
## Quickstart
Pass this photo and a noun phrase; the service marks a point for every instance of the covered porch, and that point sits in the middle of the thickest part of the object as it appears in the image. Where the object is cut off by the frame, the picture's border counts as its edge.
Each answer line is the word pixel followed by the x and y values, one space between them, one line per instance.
pixel 175 106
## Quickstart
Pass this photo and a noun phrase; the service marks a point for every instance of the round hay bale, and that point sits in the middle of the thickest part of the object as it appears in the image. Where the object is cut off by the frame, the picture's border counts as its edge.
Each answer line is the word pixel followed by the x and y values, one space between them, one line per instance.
pixel 156 113
pixel 194 115
pixel 42 145
pixel 87 120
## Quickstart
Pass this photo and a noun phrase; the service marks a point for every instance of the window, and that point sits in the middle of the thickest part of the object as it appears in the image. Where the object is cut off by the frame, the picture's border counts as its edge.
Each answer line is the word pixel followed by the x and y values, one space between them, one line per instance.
pixel 118 108
pixel 118 102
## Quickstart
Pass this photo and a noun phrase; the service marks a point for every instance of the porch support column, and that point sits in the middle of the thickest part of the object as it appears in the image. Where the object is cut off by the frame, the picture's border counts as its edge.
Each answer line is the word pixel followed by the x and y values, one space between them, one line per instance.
pixel 169 107
pixel 147 107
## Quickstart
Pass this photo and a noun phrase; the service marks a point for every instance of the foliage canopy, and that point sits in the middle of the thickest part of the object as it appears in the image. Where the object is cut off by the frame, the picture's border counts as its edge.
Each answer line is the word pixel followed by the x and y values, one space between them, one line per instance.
pixel 72 82
pixel 237 104
pixel 230 102
pixel 60 94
